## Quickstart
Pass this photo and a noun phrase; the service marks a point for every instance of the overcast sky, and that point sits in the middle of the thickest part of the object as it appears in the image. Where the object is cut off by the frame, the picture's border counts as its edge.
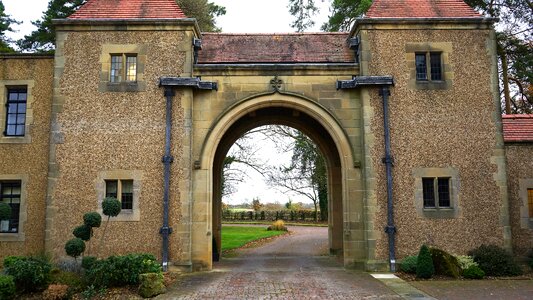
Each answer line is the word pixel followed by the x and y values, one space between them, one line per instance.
pixel 241 16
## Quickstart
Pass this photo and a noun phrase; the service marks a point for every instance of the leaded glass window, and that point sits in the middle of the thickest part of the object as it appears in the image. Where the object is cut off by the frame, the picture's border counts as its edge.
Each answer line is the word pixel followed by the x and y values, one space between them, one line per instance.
pixel 131 68
pixel 10 192
pixel 436 192
pixel 16 112
pixel 421 66
pixel 116 68
pixel 122 190
pixel 436 65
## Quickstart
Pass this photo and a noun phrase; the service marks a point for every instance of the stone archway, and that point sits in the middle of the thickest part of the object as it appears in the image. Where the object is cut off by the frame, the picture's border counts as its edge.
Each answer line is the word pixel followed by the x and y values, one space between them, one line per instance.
pixel 345 199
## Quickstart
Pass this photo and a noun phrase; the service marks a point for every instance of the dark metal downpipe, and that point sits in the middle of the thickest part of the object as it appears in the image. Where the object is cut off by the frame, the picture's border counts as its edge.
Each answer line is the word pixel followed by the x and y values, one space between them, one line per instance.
pixel 390 229
pixel 165 230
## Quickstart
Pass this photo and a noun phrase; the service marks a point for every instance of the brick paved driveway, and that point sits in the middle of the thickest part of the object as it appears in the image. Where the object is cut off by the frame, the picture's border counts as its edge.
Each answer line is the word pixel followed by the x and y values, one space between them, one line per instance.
pixel 290 267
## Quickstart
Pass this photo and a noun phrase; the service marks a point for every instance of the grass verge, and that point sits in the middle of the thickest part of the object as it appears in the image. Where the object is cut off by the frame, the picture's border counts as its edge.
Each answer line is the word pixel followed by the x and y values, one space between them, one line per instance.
pixel 234 237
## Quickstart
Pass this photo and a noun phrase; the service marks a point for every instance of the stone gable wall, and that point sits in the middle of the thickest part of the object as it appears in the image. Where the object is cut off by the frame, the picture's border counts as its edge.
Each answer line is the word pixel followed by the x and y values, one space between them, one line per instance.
pixel 452 130
pixel 102 132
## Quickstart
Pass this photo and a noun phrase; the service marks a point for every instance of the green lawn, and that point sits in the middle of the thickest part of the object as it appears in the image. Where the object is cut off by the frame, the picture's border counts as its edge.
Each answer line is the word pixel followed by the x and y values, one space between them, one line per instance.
pixel 237 236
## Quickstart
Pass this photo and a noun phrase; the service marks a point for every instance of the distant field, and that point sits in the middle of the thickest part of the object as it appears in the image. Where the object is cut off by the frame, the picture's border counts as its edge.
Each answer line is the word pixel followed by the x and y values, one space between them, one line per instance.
pixel 237 236
pixel 240 209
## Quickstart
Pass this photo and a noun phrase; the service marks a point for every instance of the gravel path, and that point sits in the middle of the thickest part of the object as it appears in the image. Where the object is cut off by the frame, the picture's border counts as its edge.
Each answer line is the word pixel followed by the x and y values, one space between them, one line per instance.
pixel 294 266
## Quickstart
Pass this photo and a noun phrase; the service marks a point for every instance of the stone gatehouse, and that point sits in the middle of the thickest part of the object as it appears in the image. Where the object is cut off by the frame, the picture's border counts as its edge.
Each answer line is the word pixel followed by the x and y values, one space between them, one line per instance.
pixel 137 102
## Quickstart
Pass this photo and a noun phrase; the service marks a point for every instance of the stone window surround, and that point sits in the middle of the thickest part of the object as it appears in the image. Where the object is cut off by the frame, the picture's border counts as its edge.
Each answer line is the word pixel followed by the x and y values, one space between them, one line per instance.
pixel 29 85
pixel 524 184
pixel 445 48
pixel 105 85
pixel 137 177
pixel 23 215
pixel 438 212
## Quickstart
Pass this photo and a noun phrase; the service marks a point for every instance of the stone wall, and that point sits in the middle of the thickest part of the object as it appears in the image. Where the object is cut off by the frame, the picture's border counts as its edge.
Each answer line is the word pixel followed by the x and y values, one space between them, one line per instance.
pixel 26 158
pixel 105 132
pixel 452 130
pixel 520 172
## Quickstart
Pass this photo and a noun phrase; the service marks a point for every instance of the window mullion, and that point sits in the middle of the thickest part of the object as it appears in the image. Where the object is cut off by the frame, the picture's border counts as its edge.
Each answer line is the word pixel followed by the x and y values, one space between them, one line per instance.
pixel 436 191
pixel 119 190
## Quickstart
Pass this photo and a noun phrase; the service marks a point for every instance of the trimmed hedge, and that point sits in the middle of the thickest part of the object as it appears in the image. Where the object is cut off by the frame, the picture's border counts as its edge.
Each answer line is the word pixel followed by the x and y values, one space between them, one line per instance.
pixel 268 215
pixel 121 270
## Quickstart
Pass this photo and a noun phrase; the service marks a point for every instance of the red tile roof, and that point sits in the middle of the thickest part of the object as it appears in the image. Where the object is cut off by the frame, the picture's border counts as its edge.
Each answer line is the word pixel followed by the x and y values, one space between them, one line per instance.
pixel 421 9
pixel 129 9
pixel 517 128
pixel 275 48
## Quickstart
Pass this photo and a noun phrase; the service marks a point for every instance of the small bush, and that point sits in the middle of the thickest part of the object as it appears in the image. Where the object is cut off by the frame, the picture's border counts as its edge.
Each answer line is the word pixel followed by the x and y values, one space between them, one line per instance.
pixel 495 261
pixel 7 287
pixel 408 264
pixel 466 261
pixel 121 270
pixel 424 265
pixel 278 225
pixel 92 219
pixel 10 260
pixel 83 232
pixel 473 272
pixel 445 263
pixel 5 211
pixel 29 273
pixel 75 247
pixel 87 262
pixel 111 207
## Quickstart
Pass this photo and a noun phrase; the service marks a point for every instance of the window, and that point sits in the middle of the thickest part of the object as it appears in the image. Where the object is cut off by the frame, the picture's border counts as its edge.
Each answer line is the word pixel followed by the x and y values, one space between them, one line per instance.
pixel 16 111
pixel 434 68
pixel 121 190
pixel 123 68
pixel 436 192
pixel 10 193
pixel 530 202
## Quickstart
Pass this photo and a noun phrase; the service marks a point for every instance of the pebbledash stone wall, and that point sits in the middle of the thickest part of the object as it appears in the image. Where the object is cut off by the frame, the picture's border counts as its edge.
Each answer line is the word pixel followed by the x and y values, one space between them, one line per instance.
pixel 450 129
pixel 520 179
pixel 25 158
pixel 102 131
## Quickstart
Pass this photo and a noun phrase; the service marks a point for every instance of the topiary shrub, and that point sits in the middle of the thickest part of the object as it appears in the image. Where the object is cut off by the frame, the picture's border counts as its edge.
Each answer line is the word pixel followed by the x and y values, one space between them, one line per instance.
pixel 5 211
pixel 278 225
pixel 408 264
pixel 473 272
pixel 121 270
pixel 83 232
pixel 495 261
pixel 111 207
pixel 445 263
pixel 424 265
pixel 7 287
pixel 75 247
pixel 29 273
pixel 92 219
